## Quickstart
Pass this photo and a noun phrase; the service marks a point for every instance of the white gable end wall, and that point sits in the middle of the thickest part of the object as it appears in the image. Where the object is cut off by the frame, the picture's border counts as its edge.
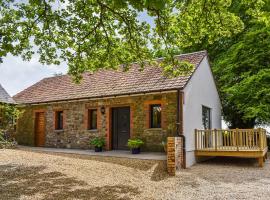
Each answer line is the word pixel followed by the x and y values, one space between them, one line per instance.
pixel 200 91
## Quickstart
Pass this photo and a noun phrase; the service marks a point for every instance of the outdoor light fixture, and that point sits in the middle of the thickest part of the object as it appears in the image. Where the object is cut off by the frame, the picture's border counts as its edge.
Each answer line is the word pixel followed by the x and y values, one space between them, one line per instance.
pixel 102 110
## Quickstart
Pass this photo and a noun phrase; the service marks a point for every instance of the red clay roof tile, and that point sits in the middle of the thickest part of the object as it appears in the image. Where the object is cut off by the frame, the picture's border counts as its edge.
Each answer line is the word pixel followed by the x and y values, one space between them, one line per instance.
pixel 106 83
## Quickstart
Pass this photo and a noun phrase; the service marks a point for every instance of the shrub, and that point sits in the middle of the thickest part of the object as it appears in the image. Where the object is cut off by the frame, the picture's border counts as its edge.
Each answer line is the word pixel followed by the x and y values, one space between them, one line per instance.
pixel 5 144
pixel 135 143
pixel 98 142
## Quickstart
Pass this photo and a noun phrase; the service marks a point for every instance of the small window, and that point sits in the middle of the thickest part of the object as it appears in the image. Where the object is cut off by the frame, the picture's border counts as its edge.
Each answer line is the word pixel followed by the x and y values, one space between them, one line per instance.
pixel 206 117
pixel 59 120
pixel 92 117
pixel 155 116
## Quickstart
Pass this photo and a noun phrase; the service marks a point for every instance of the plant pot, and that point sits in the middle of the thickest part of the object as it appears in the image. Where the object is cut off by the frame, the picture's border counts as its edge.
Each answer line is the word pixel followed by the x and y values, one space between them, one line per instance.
pixel 135 150
pixel 98 149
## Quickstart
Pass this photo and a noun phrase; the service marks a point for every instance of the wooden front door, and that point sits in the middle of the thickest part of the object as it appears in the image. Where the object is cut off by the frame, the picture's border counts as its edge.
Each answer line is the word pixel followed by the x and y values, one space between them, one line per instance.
pixel 40 129
pixel 120 127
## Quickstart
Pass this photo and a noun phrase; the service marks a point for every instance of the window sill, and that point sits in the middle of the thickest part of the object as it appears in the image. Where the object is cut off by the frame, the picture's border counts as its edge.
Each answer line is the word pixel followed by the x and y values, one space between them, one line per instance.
pixel 92 130
pixel 153 129
pixel 59 131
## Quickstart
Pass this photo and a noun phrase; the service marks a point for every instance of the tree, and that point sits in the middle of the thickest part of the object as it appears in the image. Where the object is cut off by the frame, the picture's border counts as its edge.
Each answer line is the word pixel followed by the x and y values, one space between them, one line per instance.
pixel 244 79
pixel 241 67
pixel 94 34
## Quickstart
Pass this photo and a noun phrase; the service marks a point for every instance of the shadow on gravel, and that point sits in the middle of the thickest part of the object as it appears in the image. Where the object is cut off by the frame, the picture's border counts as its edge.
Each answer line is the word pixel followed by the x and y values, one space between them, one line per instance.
pixel 232 161
pixel 159 173
pixel 24 182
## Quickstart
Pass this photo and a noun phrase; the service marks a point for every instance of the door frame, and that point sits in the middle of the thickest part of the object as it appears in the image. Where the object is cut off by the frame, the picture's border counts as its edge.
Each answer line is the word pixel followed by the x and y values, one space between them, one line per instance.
pixel 112 123
pixel 35 113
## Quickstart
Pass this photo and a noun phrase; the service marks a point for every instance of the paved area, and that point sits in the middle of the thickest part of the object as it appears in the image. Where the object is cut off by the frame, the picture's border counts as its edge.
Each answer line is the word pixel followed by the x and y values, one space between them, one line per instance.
pixel 28 174
pixel 114 153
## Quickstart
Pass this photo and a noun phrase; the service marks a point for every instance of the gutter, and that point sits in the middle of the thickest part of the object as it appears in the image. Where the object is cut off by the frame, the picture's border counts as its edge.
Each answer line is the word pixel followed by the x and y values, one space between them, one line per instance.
pixel 179 124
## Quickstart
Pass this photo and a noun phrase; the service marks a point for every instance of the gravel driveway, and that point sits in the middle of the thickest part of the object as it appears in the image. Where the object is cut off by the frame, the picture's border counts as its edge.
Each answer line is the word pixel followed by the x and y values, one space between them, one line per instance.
pixel 36 175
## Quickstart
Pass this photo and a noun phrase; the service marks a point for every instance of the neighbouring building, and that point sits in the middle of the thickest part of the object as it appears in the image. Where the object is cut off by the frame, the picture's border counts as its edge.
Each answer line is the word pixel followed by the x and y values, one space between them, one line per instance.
pixel 5 97
pixel 121 105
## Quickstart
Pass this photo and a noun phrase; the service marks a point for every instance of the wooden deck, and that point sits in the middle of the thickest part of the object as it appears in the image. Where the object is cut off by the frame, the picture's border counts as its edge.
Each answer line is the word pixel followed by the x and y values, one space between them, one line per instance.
pixel 247 143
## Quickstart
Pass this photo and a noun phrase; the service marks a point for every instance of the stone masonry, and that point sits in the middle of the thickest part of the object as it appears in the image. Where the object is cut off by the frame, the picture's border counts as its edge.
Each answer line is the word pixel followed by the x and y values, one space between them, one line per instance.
pixel 75 133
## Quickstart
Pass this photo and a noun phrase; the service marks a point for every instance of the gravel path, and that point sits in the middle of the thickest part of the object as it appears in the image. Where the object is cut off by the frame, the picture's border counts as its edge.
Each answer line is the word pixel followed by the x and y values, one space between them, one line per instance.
pixel 36 175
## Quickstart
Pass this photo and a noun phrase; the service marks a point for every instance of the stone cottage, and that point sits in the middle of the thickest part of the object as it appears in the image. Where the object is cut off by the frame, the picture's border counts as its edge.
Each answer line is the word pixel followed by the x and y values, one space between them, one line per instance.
pixel 121 105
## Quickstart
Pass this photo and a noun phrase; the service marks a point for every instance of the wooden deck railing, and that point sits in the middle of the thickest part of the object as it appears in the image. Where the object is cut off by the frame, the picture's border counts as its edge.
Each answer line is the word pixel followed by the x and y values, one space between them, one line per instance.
pixel 231 140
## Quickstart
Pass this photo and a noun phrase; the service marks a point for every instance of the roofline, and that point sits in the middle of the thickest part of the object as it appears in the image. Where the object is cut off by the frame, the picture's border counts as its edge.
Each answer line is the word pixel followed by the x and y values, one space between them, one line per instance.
pixel 190 77
pixel 183 54
pixel 104 97
pixel 215 81
pixel 212 74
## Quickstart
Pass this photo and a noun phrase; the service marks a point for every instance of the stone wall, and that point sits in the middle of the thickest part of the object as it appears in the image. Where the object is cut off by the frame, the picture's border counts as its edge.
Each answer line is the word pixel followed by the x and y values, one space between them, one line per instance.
pixel 75 133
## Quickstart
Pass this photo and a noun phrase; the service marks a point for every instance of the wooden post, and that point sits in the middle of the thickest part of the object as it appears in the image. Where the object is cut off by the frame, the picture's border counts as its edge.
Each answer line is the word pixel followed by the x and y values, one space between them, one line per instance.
pixel 260 139
pixel 260 160
pixel 196 140
pixel 237 139
pixel 215 131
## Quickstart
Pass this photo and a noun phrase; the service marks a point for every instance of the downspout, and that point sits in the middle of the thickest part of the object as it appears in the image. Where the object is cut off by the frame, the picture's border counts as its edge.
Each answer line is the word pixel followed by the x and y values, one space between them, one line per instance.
pixel 179 124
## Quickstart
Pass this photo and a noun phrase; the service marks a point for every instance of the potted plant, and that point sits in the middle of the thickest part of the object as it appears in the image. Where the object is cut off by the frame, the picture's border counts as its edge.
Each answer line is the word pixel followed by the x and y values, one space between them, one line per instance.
pixel 98 143
pixel 134 145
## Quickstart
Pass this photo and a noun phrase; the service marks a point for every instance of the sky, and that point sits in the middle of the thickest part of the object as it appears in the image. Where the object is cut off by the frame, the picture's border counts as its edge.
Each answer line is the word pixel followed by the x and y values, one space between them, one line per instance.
pixel 16 74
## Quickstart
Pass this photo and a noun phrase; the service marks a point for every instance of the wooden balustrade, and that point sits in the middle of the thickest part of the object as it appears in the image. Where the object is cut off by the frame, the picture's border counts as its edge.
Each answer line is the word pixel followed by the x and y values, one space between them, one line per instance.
pixel 234 139
pixel 233 142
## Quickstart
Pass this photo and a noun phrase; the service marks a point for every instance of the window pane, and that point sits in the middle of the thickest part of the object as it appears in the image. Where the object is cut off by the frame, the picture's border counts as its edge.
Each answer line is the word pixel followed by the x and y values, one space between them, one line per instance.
pixel 59 120
pixel 155 116
pixel 206 117
pixel 92 119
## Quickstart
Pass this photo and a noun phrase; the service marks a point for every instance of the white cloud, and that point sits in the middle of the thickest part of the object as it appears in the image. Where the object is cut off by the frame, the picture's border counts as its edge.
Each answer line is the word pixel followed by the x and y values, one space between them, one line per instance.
pixel 16 74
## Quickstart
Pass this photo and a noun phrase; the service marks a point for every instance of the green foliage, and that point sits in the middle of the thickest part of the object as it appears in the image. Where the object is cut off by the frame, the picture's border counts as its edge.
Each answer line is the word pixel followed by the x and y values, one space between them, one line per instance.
pixel 90 35
pixel 93 35
pixel 241 66
pixel 244 75
pixel 98 142
pixel 1 136
pixel 135 143
pixel 8 115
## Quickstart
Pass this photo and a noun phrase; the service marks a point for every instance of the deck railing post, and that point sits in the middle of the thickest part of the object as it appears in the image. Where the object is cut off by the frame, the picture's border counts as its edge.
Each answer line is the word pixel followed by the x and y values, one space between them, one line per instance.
pixel 237 139
pixel 260 139
pixel 215 132
pixel 196 140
